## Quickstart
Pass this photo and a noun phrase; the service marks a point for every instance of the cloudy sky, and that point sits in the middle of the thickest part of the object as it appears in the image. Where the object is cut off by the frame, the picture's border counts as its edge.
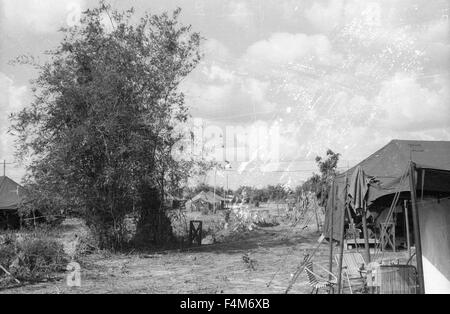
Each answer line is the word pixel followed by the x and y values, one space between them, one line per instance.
pixel 347 75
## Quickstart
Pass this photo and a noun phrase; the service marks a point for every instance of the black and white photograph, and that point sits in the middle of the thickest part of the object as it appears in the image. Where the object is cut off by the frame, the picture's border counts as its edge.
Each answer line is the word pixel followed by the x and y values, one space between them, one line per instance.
pixel 223 152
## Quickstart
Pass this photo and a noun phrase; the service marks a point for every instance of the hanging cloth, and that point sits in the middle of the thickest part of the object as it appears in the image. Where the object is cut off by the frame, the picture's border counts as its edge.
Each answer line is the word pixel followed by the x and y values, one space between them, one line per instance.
pixel 358 188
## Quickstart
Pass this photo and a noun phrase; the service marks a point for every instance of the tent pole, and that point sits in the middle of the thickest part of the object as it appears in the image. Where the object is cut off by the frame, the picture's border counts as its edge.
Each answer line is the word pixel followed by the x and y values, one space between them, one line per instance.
pixel 423 182
pixel 408 244
pixel 366 234
pixel 417 239
pixel 330 234
pixel 341 251
pixel 341 243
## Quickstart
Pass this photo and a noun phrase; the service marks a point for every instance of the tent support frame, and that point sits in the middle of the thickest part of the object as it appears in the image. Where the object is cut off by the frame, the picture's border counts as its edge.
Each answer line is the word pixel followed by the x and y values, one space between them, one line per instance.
pixel 408 243
pixel 417 239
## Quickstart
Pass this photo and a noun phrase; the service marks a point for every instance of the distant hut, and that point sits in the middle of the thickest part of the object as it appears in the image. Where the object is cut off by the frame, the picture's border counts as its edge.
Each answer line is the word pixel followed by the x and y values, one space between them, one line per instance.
pixel 204 202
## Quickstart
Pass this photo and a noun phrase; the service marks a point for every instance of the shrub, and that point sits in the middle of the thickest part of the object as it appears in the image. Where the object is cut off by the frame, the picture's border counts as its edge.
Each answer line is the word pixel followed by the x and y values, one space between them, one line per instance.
pixel 31 258
pixel 87 244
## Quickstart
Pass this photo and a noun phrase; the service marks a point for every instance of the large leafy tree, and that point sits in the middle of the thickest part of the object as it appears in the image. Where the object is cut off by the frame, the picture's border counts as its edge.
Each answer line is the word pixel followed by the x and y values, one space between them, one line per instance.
pixel 101 130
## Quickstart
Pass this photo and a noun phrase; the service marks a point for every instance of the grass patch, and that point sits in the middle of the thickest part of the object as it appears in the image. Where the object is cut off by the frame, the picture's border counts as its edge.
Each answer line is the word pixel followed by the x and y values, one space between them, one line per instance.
pixel 30 258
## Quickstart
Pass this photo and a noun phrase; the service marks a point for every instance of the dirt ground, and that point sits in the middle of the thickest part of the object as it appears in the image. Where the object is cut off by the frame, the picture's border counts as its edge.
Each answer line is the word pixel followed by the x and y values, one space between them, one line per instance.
pixel 260 261
pixel 273 255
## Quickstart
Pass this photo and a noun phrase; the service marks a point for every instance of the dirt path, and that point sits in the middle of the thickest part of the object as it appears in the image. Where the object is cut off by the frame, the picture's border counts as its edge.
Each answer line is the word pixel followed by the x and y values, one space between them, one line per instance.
pixel 272 256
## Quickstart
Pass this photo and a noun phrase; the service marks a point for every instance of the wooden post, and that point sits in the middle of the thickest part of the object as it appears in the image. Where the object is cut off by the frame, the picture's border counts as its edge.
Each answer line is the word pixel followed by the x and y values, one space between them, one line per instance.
pixel 330 230
pixel 317 217
pixel 417 239
pixel 408 244
pixel 366 234
pixel 341 243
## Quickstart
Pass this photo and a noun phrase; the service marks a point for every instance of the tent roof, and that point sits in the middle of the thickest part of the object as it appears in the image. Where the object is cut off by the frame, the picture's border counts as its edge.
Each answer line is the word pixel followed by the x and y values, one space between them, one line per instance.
pixel 392 160
pixel 388 164
pixel 207 197
pixel 11 194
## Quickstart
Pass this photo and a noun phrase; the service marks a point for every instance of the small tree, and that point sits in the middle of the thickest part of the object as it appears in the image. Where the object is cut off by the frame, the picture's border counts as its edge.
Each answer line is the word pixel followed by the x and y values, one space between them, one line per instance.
pixel 328 165
pixel 102 128
pixel 320 184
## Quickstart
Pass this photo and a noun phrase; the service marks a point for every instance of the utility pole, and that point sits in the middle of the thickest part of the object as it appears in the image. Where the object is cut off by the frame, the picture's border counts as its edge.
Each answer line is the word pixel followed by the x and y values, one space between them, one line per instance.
pixel 227 167
pixel 226 194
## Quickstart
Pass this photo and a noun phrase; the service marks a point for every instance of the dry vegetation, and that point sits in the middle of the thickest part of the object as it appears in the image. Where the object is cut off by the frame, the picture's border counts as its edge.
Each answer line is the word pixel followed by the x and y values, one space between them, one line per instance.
pixel 260 260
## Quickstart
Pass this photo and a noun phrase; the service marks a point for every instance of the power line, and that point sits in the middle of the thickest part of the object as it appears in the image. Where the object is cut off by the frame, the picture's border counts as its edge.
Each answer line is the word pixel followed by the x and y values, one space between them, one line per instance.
pixel 281 171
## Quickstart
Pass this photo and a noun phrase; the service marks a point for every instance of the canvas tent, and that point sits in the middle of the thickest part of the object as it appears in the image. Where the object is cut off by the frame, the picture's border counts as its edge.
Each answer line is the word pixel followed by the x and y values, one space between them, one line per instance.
pixel 374 182
pixel 386 171
pixel 11 195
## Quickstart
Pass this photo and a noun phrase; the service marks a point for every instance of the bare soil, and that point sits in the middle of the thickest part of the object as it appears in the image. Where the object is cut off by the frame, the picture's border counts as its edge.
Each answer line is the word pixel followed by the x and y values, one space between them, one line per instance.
pixel 259 261
pixel 274 254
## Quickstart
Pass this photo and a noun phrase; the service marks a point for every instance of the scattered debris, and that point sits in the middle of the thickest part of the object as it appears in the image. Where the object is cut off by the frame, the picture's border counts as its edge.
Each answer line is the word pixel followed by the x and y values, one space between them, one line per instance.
pixel 249 262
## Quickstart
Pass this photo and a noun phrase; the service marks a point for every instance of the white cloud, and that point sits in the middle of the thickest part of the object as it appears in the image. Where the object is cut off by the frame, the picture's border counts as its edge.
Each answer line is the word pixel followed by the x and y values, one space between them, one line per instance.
pixel 240 14
pixel 41 16
pixel 437 31
pixel 234 99
pixel 288 48
pixel 332 14
pixel 342 94
pixel 434 41
pixel 325 16
pixel 217 73
pixel 215 50
pixel 408 106
pixel 11 100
